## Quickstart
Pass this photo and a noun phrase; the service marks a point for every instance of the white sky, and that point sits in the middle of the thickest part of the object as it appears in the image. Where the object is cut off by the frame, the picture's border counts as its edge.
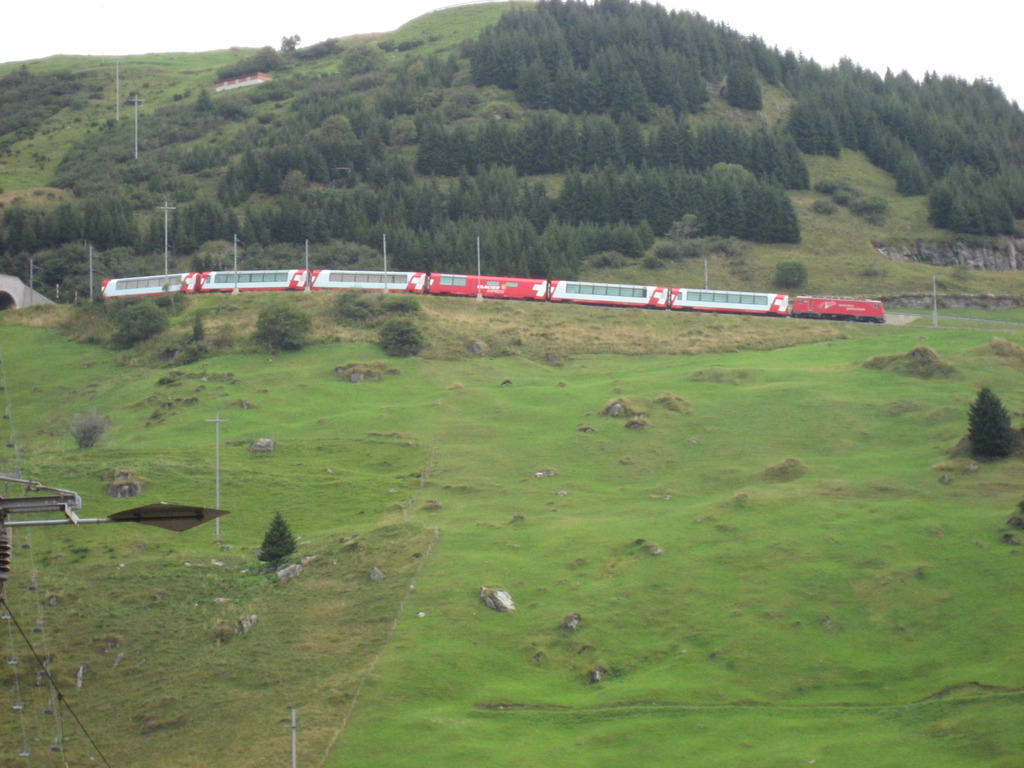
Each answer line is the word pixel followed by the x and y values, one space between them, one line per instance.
pixel 977 40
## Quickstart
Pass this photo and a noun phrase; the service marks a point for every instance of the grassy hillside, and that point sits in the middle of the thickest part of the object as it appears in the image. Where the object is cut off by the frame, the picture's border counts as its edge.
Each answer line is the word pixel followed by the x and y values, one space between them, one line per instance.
pixel 785 565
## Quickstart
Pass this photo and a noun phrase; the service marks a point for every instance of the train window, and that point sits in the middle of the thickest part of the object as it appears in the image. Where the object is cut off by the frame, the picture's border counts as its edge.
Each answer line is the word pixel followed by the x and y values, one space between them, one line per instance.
pixel 493 283
pixel 599 289
pixel 458 280
pixel 511 285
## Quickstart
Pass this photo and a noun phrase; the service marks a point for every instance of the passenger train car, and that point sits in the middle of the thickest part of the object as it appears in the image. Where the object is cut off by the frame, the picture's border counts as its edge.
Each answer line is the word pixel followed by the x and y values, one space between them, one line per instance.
pixel 515 288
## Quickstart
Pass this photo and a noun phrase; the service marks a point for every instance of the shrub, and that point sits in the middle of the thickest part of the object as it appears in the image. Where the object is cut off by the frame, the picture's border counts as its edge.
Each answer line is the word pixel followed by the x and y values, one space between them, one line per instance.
pixel 790 274
pixel 282 327
pixel 87 428
pixel 400 304
pixel 137 322
pixel 401 338
pixel 826 207
pixel 608 259
pixel 871 209
pixel 354 307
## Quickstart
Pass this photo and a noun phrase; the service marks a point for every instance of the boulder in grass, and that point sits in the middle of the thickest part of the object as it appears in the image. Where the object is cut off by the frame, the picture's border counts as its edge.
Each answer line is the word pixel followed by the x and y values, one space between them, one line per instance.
pixel 497 599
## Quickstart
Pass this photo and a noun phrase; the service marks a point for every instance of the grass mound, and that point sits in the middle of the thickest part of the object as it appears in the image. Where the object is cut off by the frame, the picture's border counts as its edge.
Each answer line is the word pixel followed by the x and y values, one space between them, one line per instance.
pixel 672 402
pixel 356 372
pixel 785 471
pixel 626 408
pixel 719 375
pixel 1005 349
pixel 920 362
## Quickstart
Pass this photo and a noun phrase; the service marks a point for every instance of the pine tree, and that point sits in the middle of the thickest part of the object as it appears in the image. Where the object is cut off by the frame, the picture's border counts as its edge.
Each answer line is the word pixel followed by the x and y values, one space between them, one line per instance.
pixel 989 427
pixel 278 542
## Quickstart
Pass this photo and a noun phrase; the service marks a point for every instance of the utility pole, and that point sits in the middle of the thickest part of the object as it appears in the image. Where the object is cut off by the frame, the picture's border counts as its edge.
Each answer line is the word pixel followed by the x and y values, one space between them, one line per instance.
pixel 385 244
pixel 136 101
pixel 309 279
pixel 90 271
pixel 236 263
pixel 295 741
pixel 479 287
pixel 217 421
pixel 166 209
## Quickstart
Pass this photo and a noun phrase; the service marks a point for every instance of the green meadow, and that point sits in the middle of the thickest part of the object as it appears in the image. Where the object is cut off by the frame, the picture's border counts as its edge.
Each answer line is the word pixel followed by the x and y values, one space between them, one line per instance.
pixel 781 560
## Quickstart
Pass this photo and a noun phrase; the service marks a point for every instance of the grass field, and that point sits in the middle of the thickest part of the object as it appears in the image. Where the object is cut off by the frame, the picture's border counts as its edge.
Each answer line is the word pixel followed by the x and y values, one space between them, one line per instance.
pixel 785 566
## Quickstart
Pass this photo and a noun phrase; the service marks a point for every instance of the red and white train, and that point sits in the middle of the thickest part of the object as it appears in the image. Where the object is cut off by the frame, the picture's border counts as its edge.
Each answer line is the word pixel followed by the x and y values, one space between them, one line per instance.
pixel 488 287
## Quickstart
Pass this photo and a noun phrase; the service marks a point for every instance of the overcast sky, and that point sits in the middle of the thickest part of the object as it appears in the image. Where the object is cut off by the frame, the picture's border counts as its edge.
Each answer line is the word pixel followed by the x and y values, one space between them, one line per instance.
pixel 980 39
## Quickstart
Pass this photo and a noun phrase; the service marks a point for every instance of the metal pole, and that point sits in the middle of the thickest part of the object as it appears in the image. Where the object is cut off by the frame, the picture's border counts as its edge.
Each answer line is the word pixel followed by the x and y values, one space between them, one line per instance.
pixel 166 209
pixel 479 287
pixel 308 278
pixel 236 263
pixel 385 240
pixel 136 101
pixel 295 741
pixel 90 271
pixel 217 421
pixel 935 304
pixel 705 274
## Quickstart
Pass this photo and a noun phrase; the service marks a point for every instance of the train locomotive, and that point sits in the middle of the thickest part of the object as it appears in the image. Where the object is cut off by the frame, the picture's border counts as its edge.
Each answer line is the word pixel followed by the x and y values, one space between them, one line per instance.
pixel 512 288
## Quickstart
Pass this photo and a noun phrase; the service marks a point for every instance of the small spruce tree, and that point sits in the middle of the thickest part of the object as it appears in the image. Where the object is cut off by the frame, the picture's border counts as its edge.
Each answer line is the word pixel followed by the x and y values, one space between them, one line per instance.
pixel 989 427
pixel 278 542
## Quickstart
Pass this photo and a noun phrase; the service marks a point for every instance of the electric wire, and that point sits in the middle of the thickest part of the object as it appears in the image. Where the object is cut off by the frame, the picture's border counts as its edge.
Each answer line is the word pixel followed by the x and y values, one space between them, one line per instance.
pixel 60 695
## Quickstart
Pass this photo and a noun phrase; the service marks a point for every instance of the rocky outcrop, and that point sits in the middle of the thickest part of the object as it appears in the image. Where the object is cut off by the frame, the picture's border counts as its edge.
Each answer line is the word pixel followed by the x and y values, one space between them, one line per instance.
pixel 1004 255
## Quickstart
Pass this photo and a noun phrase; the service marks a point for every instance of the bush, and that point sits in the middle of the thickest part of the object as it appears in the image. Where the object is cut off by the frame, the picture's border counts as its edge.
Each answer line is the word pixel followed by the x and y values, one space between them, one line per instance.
pixel 400 304
pixel 790 274
pixel 282 327
pixel 826 207
pixel 401 338
pixel 365 307
pixel 871 209
pixel 354 307
pixel 88 428
pixel 608 259
pixel 137 322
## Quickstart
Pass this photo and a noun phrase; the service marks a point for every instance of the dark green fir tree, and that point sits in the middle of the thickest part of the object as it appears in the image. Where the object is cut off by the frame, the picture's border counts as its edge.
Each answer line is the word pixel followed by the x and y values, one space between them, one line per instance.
pixel 989 427
pixel 278 542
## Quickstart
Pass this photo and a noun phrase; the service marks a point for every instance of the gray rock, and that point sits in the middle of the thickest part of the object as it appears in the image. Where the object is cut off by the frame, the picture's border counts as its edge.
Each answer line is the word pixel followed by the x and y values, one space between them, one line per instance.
pixel 244 624
pixel 262 445
pixel 497 599
pixel 572 622
pixel 289 572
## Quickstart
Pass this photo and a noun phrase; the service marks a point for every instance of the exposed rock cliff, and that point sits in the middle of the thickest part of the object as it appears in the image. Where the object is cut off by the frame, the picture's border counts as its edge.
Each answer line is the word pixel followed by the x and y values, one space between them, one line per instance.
pixel 1004 255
